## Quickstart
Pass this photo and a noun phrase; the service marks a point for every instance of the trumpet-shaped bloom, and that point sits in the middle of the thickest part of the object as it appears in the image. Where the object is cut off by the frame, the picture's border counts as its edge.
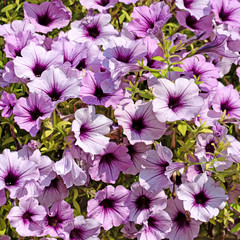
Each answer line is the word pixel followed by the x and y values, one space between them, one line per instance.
pixel 85 229
pixel 139 123
pixel 89 130
pixel 144 202
pixel 15 171
pixel 47 16
pixel 154 169
pixel 109 207
pixel 35 60
pixel 176 101
pixel 28 217
pixel 7 102
pixel 202 198
pixel 183 226
pixel 146 19
pixel 108 164
pixel 100 5
pixel 29 112
pixel 95 28
pixel 59 220
pixel 55 84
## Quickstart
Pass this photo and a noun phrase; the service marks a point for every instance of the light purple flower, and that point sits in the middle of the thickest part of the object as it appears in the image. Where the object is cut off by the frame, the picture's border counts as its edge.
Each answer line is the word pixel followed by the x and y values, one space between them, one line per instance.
pixel 95 28
pixel 197 8
pixel 202 198
pixel 59 220
pixel 189 21
pixel 55 191
pixel 85 229
pixel 29 112
pixel 176 101
pixel 100 5
pixel 183 226
pixel 154 169
pixel 109 207
pixel 108 164
pixel 35 60
pixel 70 172
pixel 207 72
pixel 92 92
pixel 149 19
pixel 139 123
pixel 15 171
pixel 55 84
pixel 89 130
pixel 157 226
pixel 28 217
pixel 47 16
pixel 144 202
pixel 7 102
pixel 226 11
pixel 227 98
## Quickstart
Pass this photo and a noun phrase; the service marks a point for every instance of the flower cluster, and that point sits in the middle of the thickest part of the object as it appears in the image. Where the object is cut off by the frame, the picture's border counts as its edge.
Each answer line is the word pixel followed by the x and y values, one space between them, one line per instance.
pixel 119 115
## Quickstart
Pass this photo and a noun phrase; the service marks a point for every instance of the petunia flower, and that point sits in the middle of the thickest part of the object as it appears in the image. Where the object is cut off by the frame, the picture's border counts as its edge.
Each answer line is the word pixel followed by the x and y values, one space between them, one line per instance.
pixel 157 226
pixel 7 102
pixel 85 229
pixel 59 220
pixel 100 5
pixel 55 84
pixel 154 169
pixel 47 16
pixel 144 202
pixel 139 123
pixel 89 130
pixel 29 112
pixel 148 20
pixel 28 217
pixel 202 198
pixel 35 60
pixel 15 171
pixel 109 207
pixel 197 8
pixel 108 164
pixel 176 101
pixel 96 29
pixel 183 225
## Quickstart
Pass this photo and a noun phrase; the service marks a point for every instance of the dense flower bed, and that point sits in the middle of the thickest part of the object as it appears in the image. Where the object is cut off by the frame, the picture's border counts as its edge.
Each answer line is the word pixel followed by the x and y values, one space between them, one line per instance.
pixel 120 119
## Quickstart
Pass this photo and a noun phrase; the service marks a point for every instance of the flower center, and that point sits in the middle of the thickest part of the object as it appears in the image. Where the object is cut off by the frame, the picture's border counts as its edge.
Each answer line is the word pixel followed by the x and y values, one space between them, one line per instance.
pixel 210 147
pixel 143 202
pixel 174 102
pixel 44 20
pixel 93 31
pixel 107 203
pixel 108 158
pixel 38 69
pixel 138 124
pixel 226 106
pixel 53 221
pixel 27 216
pixel 81 65
pixel 224 16
pixel 76 233
pixel 54 94
pixel 99 93
pixel 187 3
pixel 152 222
pixel 182 219
pixel 201 198
pixel 11 179
pixel 103 2
pixel 35 114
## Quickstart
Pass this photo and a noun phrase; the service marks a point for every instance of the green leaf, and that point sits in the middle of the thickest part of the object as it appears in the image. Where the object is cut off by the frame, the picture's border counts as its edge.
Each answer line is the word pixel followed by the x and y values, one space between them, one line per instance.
pixel 75 203
pixel 121 18
pixel 236 228
pixel 158 58
pixel 221 177
pixel 2 227
pixel 63 123
pixel 235 207
pixel 47 133
pixel 182 128
pixel 8 7
pixel 7 141
pixel 177 69
pixel 156 74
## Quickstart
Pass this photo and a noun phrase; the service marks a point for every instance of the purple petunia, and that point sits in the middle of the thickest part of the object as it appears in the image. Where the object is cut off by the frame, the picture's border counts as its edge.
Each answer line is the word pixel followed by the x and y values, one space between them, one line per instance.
pixel 139 123
pixel 107 165
pixel 7 102
pixel 27 217
pixel 89 129
pixel 202 198
pixel 47 16
pixel 29 112
pixel 109 207
pixel 176 101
